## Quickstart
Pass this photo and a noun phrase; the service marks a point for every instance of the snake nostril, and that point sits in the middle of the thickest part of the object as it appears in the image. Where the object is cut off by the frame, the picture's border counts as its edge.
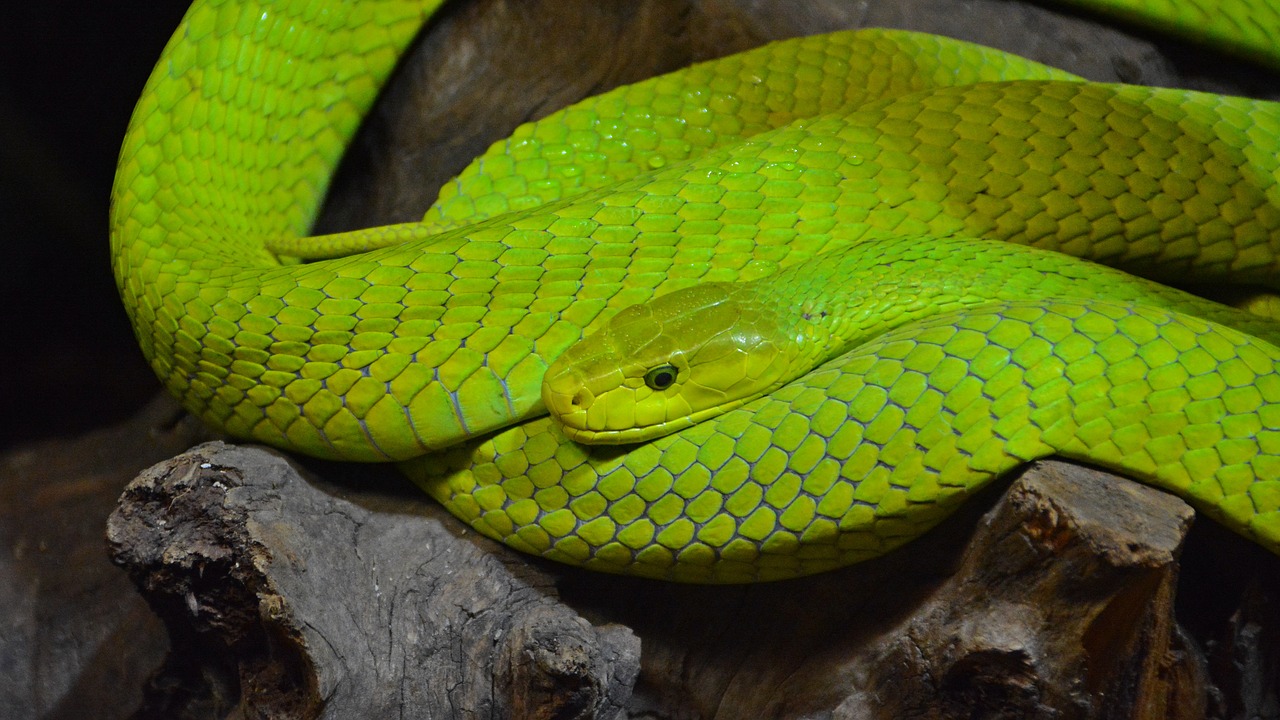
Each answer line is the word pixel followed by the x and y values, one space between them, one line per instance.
pixel 579 399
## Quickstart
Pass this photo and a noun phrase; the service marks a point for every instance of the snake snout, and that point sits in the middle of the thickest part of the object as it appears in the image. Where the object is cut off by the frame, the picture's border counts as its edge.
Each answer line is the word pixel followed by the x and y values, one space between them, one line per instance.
pixel 566 395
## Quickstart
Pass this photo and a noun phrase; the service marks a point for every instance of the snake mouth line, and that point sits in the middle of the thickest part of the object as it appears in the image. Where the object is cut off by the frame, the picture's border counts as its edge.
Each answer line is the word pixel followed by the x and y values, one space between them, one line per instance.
pixel 573 425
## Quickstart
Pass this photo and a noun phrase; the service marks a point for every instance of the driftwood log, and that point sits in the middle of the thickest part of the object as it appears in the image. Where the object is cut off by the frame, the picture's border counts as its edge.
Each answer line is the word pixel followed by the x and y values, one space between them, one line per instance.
pixel 290 588
pixel 305 598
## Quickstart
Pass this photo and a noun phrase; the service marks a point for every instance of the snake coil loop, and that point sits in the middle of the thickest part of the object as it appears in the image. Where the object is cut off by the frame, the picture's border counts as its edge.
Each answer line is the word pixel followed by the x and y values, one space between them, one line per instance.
pixel 428 343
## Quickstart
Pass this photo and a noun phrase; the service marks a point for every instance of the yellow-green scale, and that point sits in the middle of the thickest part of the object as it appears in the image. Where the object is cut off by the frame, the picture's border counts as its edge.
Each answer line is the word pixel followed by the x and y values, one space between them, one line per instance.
pixel 393 353
pixel 447 387
pixel 726 343
pixel 846 296
pixel 1003 384
pixel 640 128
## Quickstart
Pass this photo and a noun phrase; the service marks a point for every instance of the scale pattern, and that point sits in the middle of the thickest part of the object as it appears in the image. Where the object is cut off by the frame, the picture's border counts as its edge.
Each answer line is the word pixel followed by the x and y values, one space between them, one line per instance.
pixel 442 334
pixel 727 343
pixel 871 450
pixel 639 128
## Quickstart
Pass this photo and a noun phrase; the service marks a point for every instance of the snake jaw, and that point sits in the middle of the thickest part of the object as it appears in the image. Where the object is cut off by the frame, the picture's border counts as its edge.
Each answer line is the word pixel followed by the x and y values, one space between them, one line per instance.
pixel 626 436
pixel 607 406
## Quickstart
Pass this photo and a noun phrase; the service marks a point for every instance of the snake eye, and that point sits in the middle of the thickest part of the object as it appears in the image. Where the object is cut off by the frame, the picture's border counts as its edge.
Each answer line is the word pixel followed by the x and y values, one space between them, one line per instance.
pixel 660 378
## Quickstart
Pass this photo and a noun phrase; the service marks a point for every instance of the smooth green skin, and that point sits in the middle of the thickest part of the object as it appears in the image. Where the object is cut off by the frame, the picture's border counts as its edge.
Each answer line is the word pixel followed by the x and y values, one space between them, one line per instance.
pixel 441 339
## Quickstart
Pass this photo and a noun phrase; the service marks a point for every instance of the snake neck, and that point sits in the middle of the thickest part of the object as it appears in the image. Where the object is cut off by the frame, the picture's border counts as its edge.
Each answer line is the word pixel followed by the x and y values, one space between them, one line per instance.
pixel 826 306
pixel 830 304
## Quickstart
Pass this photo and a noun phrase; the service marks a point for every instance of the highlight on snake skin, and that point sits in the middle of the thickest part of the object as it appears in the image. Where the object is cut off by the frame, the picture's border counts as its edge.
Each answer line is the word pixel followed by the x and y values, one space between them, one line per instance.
pixel 761 317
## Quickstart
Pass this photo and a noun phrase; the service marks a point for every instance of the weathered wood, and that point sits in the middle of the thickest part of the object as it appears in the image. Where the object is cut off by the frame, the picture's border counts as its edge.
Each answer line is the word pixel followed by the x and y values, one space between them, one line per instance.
pixel 1062 607
pixel 306 598
pixel 312 600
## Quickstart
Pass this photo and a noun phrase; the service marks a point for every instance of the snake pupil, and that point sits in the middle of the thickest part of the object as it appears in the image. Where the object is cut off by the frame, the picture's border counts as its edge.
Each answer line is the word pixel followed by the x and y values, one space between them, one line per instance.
pixel 660 378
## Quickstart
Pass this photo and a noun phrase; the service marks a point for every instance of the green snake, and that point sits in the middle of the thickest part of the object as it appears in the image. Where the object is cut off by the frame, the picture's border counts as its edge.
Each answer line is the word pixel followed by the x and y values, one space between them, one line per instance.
pixel 696 353
pixel 896 232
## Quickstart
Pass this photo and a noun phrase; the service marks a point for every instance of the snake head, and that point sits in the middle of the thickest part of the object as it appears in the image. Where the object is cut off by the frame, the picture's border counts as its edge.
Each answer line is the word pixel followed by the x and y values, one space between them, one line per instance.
pixel 664 365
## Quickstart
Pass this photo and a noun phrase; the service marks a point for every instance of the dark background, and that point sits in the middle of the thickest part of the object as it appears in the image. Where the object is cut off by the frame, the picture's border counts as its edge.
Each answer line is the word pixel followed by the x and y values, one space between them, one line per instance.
pixel 72 70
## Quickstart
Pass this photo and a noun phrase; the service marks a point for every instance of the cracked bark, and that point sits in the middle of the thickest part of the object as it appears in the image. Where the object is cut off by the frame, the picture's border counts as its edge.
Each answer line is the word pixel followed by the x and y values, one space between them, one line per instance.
pixel 305 597
pixel 314 600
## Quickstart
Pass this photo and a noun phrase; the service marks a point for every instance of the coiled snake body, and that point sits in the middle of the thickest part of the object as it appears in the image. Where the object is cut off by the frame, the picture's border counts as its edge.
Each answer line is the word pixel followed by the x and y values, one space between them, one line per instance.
pixel 894 158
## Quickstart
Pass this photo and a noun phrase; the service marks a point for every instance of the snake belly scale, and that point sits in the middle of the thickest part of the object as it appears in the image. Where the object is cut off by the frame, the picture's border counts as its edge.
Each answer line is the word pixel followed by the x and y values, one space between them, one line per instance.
pixel 427 343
